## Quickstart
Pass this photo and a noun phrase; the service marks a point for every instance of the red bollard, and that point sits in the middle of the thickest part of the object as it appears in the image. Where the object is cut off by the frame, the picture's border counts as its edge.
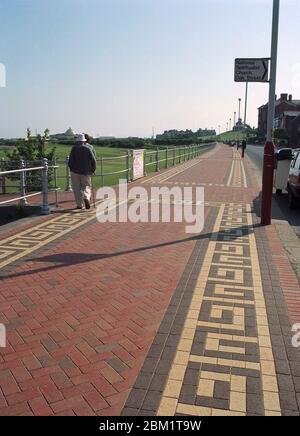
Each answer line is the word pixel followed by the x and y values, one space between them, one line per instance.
pixel 267 186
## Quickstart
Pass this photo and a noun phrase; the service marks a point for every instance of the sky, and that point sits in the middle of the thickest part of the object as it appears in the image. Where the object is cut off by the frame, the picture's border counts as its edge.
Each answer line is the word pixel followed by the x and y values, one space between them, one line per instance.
pixel 124 67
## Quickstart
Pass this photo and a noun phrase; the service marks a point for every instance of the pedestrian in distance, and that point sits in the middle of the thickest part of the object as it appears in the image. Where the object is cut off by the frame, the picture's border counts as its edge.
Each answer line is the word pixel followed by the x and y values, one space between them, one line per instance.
pixel 89 142
pixel 244 146
pixel 82 164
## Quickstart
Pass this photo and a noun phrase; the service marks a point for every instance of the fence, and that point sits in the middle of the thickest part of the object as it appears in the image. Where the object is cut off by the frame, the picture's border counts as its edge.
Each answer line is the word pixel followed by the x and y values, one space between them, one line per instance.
pixel 111 168
pixel 109 171
pixel 21 174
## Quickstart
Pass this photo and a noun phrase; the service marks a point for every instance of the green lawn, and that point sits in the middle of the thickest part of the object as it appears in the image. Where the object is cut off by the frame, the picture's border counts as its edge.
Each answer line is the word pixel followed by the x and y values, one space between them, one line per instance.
pixel 108 155
pixel 230 136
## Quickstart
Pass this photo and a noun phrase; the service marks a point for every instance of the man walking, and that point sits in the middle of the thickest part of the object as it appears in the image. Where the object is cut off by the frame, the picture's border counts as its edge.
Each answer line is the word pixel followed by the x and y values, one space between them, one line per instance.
pixel 82 163
pixel 244 146
pixel 89 143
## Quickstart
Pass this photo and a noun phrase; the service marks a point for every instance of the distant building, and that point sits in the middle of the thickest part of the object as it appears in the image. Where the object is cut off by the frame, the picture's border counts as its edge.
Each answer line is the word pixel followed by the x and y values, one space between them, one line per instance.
pixel 239 126
pixel 287 117
pixel 69 134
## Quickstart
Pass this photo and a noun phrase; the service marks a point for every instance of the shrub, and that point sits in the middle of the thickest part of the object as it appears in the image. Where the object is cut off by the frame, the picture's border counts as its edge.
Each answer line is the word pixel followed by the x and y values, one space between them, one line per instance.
pixel 32 150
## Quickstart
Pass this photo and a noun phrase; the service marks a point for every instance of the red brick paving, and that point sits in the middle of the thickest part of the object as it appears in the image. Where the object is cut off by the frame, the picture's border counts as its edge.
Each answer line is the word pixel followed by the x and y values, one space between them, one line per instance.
pixel 82 315
pixel 287 277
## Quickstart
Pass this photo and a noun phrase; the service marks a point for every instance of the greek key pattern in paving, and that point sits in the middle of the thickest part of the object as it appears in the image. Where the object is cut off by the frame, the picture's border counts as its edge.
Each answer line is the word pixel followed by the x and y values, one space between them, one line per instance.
pixel 24 243
pixel 225 343
pixel 218 185
pixel 172 172
pixel 237 177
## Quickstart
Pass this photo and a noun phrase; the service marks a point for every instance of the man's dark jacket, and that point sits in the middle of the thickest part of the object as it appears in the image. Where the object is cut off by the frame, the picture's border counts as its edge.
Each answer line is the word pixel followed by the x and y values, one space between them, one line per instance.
pixel 82 160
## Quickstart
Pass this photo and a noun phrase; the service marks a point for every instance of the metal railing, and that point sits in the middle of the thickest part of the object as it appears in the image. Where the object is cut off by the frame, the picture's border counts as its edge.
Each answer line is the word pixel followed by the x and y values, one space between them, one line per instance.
pixel 158 159
pixel 21 173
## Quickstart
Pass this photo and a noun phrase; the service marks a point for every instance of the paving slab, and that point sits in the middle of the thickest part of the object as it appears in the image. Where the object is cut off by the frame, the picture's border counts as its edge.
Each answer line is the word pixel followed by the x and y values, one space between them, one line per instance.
pixel 145 319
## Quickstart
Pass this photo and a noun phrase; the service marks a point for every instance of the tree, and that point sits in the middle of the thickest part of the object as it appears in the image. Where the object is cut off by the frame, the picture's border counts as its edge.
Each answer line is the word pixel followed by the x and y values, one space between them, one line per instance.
pixel 32 150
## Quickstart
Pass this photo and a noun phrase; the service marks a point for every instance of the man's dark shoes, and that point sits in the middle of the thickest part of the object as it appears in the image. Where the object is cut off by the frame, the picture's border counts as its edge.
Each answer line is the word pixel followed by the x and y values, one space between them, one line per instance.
pixel 87 203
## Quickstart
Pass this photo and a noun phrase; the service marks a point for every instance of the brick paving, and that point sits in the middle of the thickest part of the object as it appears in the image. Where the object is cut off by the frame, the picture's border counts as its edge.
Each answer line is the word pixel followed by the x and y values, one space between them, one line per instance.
pixel 110 319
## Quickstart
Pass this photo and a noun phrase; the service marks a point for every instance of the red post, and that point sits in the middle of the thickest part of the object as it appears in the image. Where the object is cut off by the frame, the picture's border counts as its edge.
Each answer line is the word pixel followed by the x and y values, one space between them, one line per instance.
pixel 267 187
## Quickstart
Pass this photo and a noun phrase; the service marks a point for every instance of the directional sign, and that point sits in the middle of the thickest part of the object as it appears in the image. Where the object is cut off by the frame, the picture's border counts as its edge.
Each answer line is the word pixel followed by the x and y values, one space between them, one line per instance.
pixel 138 164
pixel 251 70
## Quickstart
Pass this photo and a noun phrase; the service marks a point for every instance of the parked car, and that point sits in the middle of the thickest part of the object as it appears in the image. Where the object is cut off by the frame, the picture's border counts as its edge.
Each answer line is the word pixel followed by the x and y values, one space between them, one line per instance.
pixel 284 157
pixel 293 186
pixel 295 151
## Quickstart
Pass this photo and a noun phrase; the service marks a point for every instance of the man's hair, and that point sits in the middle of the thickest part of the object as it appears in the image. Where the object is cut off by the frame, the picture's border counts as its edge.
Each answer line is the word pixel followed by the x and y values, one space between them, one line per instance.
pixel 87 137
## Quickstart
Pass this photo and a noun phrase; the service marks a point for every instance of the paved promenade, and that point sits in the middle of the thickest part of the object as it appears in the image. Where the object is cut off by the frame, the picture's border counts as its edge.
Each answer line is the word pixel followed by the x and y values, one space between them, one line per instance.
pixel 145 319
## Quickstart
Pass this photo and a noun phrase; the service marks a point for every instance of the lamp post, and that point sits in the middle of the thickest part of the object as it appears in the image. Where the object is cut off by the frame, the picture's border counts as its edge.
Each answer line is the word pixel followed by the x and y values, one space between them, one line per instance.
pixel 239 121
pixel 230 124
pixel 239 109
pixel 246 102
pixel 268 169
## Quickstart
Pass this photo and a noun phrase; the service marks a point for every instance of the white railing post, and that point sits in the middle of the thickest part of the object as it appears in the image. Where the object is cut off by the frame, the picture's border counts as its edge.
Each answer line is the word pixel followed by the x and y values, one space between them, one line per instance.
pixel 45 207
pixel 22 201
pixel 102 171
pixel 157 159
pixel 55 182
pixel 128 166
pixel 3 185
pixel 68 176
pixel 145 163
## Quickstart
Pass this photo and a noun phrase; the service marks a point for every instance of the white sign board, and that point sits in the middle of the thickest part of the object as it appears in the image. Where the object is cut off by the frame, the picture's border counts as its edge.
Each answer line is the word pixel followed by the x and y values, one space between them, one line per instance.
pixel 251 70
pixel 138 164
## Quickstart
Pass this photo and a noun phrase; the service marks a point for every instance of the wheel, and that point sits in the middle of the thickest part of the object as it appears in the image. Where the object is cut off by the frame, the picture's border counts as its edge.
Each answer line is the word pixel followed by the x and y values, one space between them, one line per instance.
pixel 278 191
pixel 292 200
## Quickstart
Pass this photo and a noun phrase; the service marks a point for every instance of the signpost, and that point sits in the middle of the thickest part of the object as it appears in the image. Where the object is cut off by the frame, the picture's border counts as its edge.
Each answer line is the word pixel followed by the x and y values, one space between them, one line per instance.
pixel 269 152
pixel 257 70
pixel 138 164
pixel 251 70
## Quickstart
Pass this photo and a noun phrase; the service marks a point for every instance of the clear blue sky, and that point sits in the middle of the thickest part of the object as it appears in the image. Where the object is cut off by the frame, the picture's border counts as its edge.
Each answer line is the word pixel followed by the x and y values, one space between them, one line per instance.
pixel 121 67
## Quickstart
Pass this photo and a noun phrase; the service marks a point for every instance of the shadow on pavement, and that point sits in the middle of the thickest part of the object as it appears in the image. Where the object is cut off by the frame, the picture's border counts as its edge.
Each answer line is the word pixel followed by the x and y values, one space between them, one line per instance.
pixel 280 210
pixel 65 259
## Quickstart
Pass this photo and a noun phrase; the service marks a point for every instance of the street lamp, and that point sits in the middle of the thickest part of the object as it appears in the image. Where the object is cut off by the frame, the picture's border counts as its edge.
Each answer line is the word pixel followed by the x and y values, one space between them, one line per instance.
pixel 246 101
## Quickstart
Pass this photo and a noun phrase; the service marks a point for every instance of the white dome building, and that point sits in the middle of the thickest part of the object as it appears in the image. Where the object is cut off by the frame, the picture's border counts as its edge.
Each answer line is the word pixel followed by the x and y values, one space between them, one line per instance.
pixel 69 134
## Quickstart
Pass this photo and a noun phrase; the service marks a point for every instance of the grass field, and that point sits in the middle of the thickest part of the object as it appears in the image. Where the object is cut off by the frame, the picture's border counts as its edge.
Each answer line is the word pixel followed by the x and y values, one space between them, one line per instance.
pixel 232 136
pixel 109 160
pixel 229 136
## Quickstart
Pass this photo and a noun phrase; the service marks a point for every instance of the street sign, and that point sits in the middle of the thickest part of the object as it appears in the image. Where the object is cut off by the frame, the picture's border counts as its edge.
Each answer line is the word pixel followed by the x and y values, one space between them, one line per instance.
pixel 138 164
pixel 251 70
